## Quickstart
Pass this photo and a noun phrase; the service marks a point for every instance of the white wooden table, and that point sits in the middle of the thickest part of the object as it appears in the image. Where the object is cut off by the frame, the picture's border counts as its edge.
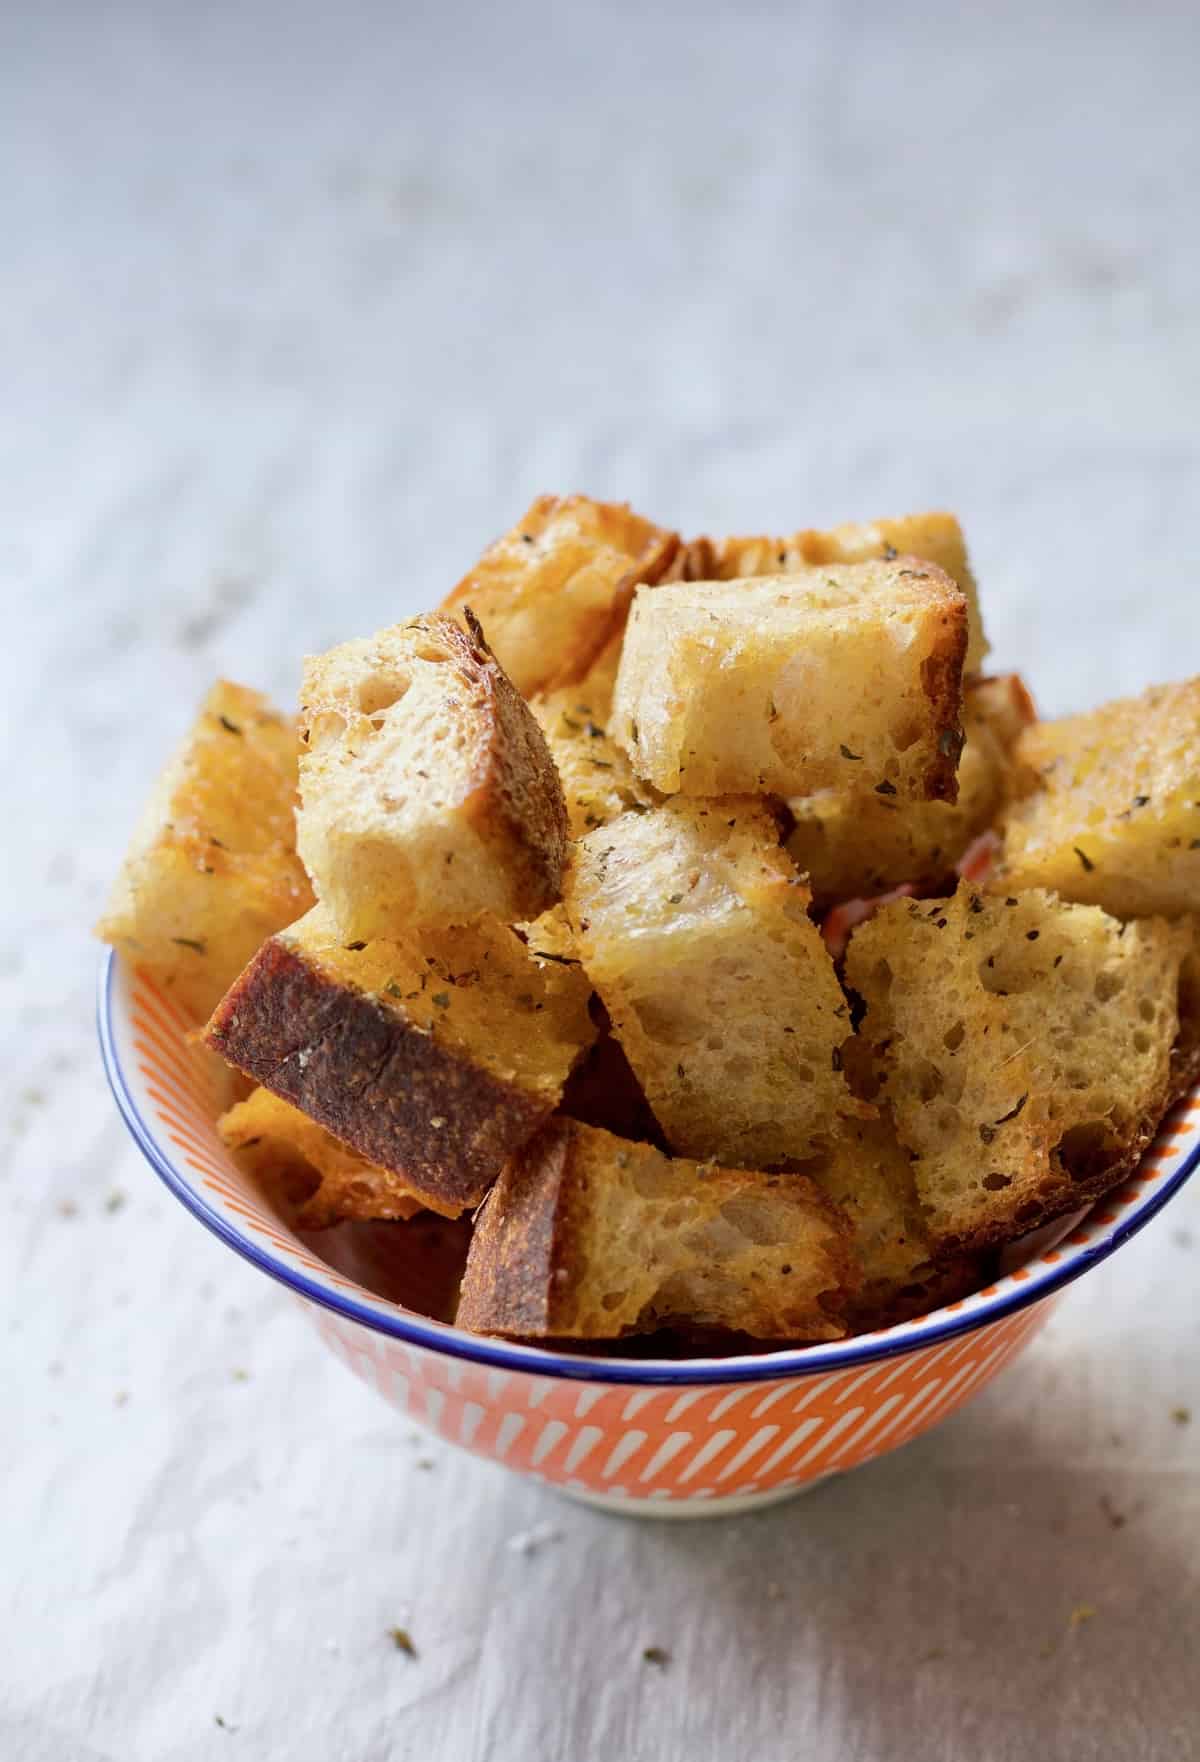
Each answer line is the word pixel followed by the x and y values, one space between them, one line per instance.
pixel 298 306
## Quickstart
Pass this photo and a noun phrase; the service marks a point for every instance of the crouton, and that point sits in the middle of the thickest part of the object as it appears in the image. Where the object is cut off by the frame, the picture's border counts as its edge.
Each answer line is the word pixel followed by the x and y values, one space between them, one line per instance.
pixel 1113 816
pixel 212 870
pixel 307 1174
pixel 433 1056
pixel 854 847
pixel 429 797
pixel 598 781
pixel 938 538
pixel 1024 1046
pixel 552 592
pixel 849 678
pixel 868 1175
pixel 588 1237
pixel 693 926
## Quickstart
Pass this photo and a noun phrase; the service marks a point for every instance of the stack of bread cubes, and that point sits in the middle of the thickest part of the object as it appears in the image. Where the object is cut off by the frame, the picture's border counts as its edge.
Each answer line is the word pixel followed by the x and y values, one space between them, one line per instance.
pixel 699 917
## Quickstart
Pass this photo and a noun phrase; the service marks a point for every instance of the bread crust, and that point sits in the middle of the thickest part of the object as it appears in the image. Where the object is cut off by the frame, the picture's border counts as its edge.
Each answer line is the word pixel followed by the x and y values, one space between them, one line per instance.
pixel 543 1243
pixel 429 793
pixel 380 1084
pixel 521 1241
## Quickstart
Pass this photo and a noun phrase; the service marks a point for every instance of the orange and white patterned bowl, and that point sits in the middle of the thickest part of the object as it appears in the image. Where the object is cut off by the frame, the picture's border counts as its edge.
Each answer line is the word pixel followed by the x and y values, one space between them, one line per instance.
pixel 662 1437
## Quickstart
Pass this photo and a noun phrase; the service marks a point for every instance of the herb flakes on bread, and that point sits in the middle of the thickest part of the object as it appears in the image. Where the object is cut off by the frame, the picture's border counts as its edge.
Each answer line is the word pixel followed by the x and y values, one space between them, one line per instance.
pixel 429 796
pixel 693 926
pixel 1112 814
pixel 212 870
pixel 1025 1047
pixel 433 1056
pixel 590 1237
pixel 847 678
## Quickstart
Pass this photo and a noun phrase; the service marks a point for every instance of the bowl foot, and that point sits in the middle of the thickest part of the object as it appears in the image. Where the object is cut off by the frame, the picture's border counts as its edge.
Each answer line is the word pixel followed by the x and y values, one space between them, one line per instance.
pixel 629 1505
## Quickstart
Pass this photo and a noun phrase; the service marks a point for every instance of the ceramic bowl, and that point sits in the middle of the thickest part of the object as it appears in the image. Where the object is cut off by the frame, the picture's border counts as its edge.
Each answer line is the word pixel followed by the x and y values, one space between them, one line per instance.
pixel 663 1437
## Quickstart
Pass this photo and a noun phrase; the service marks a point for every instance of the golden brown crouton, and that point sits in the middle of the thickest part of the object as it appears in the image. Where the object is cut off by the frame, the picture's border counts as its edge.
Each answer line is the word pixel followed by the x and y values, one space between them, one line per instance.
pixel 854 847
pixel 429 797
pixel 1113 817
pixel 552 592
pixel 597 778
pixel 849 678
pixel 1025 1047
pixel 307 1174
pixel 590 1237
pixel 433 1056
pixel 693 926
pixel 868 1175
pixel 937 538
pixel 212 870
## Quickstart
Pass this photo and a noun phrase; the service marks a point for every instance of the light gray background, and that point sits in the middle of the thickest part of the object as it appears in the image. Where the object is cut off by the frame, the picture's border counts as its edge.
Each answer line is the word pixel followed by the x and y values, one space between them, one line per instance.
pixel 298 307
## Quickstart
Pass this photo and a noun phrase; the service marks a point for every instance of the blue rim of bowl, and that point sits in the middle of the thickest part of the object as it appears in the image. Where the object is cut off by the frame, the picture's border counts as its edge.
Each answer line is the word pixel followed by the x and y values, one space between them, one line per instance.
pixel 800 1361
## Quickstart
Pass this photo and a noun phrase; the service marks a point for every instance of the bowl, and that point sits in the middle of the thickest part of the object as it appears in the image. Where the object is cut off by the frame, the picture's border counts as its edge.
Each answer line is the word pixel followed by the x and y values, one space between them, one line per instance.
pixel 648 1436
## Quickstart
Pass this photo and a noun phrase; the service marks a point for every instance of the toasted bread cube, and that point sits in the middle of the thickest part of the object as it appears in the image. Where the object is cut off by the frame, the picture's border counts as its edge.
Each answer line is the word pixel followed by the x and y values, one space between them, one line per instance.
pixel 849 678
pixel 212 870
pixel 590 1237
pixel 693 926
pixel 552 592
pixel 854 847
pixel 307 1174
pixel 433 1056
pixel 938 538
pixel 1113 818
pixel 598 781
pixel 429 796
pixel 868 1176
pixel 1025 1047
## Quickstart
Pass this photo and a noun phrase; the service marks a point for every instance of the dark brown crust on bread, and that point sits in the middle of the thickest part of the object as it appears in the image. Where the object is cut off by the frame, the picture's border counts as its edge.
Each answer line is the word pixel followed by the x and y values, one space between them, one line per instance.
pixel 518 1253
pixel 375 1081
pixel 941 681
pixel 517 802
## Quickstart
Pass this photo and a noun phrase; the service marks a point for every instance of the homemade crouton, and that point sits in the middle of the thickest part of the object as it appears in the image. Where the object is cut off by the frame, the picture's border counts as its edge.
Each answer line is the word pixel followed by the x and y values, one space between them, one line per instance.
pixel 309 1175
pixel 855 847
pixel 598 781
pixel 428 794
pixel 589 1237
pixel 433 1056
pixel 1024 1046
pixel 938 538
pixel 693 926
pixel 1113 817
pixel 553 591
pixel 849 678
pixel 868 1175
pixel 212 870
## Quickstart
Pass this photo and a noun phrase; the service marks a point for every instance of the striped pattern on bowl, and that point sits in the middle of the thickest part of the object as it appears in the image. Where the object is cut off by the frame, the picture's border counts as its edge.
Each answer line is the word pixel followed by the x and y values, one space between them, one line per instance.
pixel 669 1437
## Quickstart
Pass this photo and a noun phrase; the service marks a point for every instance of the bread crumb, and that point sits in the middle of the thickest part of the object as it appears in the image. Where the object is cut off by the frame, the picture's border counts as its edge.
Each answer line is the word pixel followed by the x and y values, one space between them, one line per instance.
pixel 402 1640
pixel 1082 1612
pixel 531 1540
